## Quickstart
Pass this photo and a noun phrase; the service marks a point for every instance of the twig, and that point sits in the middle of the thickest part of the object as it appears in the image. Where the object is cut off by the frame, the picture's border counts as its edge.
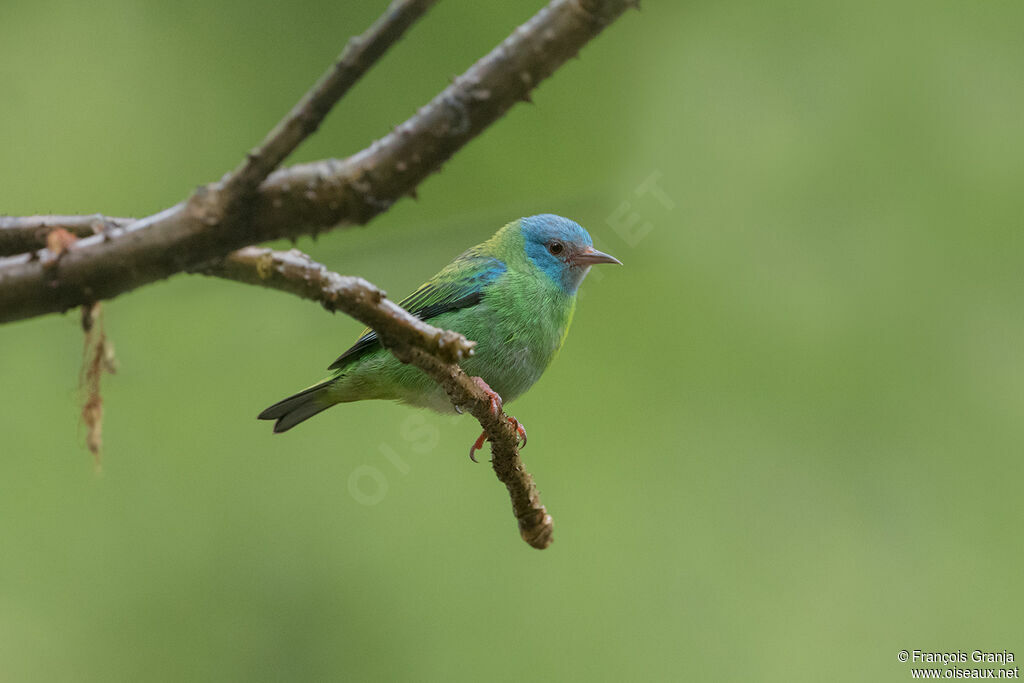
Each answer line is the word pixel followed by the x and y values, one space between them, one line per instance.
pixel 296 273
pixel 225 206
pixel 359 55
pixel 433 350
pixel 307 198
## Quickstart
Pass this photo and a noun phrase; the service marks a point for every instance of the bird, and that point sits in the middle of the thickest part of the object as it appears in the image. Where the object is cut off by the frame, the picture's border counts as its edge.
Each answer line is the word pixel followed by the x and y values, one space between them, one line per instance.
pixel 514 294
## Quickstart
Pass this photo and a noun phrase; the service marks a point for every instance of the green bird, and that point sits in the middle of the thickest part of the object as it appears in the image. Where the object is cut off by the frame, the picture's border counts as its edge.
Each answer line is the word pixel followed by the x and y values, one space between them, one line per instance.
pixel 514 294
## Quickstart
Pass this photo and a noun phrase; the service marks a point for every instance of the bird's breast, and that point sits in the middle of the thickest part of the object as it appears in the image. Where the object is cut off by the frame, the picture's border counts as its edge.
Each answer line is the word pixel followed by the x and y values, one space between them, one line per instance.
pixel 521 330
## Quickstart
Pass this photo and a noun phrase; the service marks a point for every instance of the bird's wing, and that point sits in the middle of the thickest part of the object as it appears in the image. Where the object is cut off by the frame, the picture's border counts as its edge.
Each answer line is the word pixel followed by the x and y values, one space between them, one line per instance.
pixel 459 285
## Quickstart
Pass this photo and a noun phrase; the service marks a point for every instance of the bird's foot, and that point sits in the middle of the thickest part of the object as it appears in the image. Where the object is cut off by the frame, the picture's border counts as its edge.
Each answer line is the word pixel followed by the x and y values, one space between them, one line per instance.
pixel 520 429
pixel 491 394
pixel 479 443
pixel 495 410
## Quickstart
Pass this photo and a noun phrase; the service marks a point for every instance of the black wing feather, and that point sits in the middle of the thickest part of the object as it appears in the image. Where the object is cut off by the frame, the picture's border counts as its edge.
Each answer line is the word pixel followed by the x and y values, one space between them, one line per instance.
pixel 432 300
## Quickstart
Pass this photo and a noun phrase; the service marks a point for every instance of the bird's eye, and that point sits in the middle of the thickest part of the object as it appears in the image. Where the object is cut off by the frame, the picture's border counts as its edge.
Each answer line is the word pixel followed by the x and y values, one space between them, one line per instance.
pixel 556 247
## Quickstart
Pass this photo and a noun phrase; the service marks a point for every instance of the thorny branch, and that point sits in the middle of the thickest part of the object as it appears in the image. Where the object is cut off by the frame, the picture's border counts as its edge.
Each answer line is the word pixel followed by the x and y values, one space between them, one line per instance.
pixel 202 233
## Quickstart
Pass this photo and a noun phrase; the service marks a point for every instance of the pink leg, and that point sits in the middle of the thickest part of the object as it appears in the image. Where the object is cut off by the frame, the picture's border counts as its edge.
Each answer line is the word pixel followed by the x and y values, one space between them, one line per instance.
pixel 491 394
pixel 495 410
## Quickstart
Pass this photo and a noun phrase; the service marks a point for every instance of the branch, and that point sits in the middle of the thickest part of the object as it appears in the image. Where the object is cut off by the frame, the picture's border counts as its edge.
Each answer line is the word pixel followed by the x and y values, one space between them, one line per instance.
pixel 296 273
pixel 19 234
pixel 306 198
pixel 435 351
pixel 200 234
pixel 302 121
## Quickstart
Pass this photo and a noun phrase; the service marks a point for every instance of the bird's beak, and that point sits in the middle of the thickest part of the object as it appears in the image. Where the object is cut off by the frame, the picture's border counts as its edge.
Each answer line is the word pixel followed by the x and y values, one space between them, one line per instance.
pixel 591 256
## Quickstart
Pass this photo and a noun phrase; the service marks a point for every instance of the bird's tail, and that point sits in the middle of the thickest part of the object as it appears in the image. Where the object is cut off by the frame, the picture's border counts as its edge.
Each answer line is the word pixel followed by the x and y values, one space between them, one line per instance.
pixel 302 406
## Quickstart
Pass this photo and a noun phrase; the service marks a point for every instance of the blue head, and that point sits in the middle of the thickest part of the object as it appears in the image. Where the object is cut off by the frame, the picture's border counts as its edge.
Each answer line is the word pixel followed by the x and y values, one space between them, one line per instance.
pixel 561 248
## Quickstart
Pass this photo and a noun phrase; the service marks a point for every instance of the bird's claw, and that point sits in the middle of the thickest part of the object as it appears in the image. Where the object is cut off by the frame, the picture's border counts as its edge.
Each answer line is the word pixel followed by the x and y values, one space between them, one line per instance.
pixel 520 429
pixel 491 394
pixel 496 411
pixel 477 445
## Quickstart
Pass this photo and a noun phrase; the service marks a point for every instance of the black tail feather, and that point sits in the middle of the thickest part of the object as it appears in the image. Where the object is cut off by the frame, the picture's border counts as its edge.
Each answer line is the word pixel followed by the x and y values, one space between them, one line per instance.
pixel 297 408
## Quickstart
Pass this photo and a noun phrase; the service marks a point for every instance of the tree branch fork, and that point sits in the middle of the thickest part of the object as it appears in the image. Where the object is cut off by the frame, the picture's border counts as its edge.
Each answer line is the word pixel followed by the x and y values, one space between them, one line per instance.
pixel 54 263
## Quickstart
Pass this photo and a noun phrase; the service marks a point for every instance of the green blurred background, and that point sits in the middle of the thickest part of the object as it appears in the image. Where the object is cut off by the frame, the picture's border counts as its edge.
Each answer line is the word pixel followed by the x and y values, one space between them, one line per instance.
pixel 782 444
